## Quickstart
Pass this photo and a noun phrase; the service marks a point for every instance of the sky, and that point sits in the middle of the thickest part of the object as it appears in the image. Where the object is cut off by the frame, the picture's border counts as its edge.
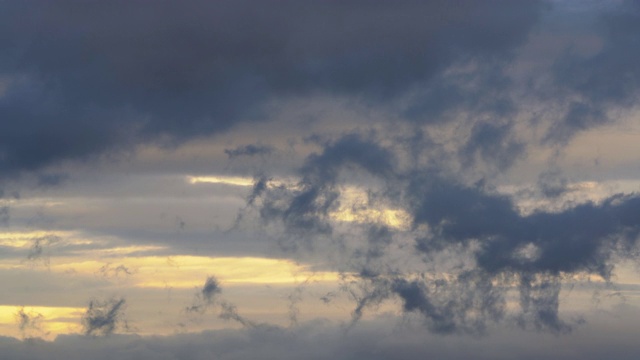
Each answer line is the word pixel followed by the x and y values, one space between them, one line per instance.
pixel 319 179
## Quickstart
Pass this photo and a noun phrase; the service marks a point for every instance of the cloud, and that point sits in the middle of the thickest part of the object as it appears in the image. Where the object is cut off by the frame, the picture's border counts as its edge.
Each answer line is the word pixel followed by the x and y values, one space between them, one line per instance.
pixel 596 86
pixel 209 297
pixel 248 150
pixel 381 339
pixel 306 210
pixel 110 271
pixel 29 323
pixel 4 215
pixel 470 246
pixel 447 109
pixel 229 311
pixel 103 317
pixel 492 143
pixel 178 71
pixel 206 297
pixel 39 250
pixel 211 288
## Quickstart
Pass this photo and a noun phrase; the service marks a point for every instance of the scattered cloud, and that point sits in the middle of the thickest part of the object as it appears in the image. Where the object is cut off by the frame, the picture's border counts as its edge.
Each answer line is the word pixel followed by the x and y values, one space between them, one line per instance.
pixel 103 317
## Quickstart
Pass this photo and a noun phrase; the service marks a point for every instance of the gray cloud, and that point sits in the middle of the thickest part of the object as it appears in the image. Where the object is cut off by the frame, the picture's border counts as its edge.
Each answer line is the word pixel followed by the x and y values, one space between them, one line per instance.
pixel 108 270
pixel 209 297
pixel 29 323
pixel 176 71
pixel 306 210
pixel 74 85
pixel 527 253
pixel 40 248
pixel 248 150
pixel 228 311
pixel 4 215
pixel 211 288
pixel 378 340
pixel 552 183
pixel 206 297
pixel 103 317
pixel 593 85
pixel 492 143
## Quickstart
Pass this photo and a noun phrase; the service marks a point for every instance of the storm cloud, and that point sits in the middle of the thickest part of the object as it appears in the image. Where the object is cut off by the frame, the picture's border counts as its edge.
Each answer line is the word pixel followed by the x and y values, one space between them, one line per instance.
pixel 83 78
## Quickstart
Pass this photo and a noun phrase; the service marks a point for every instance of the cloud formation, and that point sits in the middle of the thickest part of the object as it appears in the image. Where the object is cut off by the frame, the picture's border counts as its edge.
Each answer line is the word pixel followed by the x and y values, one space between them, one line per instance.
pixel 373 340
pixel 415 152
pixel 29 323
pixel 103 317
pixel 506 249
pixel 176 71
pixel 604 82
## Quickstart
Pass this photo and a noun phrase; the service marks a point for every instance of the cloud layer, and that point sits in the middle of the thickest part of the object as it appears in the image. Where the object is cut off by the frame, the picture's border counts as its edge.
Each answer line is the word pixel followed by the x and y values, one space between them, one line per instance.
pixel 437 162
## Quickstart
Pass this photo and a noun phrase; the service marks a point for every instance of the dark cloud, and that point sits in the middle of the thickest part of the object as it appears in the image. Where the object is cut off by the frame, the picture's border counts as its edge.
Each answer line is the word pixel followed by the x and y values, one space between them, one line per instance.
pixel 600 84
pixel 248 150
pixel 50 179
pixel 536 250
pixel 79 79
pixel 102 318
pixel 306 210
pixel 492 143
pixel 506 249
pixel 539 299
pixel 206 297
pixel 552 183
pixel 463 305
pixel 211 288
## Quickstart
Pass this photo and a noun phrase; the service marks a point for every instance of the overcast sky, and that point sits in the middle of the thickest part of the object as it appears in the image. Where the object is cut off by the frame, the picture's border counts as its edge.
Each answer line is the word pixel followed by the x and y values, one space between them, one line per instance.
pixel 319 179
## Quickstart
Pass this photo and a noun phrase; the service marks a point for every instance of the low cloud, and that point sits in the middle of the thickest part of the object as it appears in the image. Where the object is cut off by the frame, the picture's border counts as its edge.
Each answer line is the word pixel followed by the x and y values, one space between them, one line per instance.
pixel 104 317
pixel 380 339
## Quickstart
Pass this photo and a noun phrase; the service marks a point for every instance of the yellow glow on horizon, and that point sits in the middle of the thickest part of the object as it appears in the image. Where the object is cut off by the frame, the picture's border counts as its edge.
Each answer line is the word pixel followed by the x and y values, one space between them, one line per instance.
pixel 50 322
pixel 228 180
pixel 190 271
pixel 25 239
pixel 125 250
